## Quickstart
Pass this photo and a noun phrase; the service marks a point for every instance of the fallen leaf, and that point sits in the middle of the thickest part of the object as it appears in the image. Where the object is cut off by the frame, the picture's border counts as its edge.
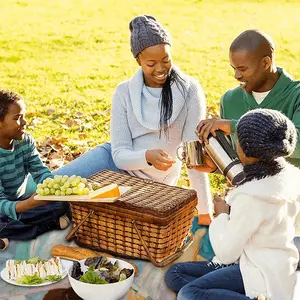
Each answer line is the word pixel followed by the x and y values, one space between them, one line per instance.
pixel 83 136
pixel 56 163
pixel 50 111
pixel 86 126
pixel 79 115
pixel 79 143
pixel 59 140
pixel 70 123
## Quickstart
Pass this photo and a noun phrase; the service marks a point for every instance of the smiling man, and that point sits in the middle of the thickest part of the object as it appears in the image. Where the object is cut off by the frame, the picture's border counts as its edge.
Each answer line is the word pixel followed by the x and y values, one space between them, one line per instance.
pixel 261 85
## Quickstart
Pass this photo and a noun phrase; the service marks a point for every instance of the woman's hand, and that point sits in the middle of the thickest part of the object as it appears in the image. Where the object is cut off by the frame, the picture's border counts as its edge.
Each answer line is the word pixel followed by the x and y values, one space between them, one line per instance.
pixel 160 159
pixel 205 127
pixel 220 206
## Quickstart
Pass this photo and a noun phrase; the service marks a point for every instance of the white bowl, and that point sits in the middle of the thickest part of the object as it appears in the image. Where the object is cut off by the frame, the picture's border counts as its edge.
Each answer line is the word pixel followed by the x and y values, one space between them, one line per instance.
pixel 110 291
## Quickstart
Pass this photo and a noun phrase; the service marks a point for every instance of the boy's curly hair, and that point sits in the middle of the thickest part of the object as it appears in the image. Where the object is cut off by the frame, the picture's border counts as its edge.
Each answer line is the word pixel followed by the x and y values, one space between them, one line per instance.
pixel 6 99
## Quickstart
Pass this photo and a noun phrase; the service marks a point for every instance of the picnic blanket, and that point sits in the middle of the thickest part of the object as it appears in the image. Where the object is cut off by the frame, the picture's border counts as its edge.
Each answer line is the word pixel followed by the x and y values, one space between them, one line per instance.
pixel 149 284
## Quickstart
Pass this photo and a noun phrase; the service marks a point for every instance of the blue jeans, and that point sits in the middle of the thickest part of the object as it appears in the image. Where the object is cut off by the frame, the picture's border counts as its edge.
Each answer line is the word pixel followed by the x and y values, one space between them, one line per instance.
pixel 94 161
pixel 206 280
pixel 33 222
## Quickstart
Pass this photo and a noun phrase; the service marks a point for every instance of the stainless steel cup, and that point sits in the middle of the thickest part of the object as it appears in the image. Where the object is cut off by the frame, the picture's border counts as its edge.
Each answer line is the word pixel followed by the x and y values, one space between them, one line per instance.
pixel 193 153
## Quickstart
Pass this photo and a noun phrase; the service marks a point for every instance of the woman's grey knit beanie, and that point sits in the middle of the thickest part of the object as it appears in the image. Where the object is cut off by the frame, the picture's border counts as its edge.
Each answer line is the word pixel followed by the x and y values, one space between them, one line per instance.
pixel 146 31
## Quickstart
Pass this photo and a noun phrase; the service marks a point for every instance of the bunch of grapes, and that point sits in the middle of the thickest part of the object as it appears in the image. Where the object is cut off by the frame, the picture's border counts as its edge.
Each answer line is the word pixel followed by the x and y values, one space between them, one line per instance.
pixel 64 186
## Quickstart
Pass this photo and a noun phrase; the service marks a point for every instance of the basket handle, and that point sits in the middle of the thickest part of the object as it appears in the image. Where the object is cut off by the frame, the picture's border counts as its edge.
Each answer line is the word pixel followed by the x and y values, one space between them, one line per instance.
pixel 170 258
pixel 73 231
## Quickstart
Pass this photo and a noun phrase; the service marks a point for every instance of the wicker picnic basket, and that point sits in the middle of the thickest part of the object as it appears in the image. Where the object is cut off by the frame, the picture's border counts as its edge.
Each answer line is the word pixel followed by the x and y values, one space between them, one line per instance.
pixel 151 221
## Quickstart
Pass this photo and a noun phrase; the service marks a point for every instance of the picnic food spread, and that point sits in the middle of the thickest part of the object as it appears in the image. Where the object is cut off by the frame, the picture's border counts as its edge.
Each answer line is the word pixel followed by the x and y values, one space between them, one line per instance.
pixel 76 185
pixel 100 271
pixel 34 271
pixel 78 253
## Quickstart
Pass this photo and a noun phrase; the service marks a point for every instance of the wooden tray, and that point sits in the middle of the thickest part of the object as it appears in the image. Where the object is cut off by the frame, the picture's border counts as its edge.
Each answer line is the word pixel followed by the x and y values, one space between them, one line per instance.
pixel 85 198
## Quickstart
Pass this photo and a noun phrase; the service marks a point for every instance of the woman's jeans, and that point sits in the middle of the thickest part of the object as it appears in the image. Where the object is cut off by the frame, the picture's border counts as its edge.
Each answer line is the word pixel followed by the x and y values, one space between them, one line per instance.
pixel 206 280
pixel 91 162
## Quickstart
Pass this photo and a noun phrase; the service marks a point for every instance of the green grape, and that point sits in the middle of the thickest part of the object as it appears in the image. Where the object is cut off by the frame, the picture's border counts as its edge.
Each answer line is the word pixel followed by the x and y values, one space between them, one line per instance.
pixel 72 177
pixel 81 185
pixel 47 180
pixel 63 188
pixel 69 191
pixel 64 178
pixel 50 185
pixel 57 178
pixel 67 184
pixel 75 190
pixel 46 191
pixel 79 191
pixel 86 191
pixel 84 181
pixel 62 193
pixel 40 186
pixel 74 183
pixel 40 191
pixel 95 186
pixel 56 186
pixel 52 191
pixel 57 193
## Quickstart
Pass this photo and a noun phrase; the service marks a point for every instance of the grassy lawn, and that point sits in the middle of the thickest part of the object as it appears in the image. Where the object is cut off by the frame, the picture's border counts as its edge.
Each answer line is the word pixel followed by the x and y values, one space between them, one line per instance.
pixel 66 56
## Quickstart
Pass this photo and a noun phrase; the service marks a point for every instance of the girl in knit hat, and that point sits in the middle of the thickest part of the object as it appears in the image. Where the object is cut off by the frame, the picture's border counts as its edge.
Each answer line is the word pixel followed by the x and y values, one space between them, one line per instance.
pixel 252 236
pixel 152 114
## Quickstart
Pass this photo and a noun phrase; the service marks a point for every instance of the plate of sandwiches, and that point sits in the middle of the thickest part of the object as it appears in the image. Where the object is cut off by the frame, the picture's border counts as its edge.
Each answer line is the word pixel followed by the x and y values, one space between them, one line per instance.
pixel 35 271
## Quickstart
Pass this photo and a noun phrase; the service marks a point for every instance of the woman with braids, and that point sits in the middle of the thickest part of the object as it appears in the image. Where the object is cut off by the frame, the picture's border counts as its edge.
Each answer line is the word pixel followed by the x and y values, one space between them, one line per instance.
pixel 152 114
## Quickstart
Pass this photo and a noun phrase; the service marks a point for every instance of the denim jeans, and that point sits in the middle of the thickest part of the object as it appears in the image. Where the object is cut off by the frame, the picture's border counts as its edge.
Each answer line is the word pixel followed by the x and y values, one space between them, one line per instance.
pixel 206 280
pixel 33 222
pixel 91 162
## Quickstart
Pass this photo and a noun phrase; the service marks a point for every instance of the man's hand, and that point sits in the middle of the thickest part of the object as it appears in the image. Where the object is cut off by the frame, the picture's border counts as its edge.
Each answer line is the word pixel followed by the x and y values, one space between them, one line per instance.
pixel 30 203
pixel 160 159
pixel 205 127
pixel 220 206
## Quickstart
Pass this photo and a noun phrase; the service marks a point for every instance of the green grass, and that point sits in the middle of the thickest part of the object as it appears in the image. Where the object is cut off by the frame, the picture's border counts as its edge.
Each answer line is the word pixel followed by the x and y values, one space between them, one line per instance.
pixel 70 54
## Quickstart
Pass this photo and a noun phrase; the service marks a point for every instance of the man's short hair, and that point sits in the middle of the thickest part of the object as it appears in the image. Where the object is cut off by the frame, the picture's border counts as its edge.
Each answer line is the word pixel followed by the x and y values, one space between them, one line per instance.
pixel 254 41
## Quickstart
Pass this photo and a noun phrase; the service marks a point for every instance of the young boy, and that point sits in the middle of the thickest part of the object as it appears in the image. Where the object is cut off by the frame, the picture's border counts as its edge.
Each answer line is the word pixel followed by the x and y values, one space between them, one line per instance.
pixel 22 217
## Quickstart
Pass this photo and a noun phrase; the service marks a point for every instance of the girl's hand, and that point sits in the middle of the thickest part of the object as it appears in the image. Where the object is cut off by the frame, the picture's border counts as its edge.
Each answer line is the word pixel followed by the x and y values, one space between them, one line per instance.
pixel 160 159
pixel 220 206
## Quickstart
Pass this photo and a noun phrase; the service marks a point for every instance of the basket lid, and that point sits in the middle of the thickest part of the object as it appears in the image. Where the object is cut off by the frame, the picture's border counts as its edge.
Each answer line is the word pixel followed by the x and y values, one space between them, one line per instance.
pixel 145 195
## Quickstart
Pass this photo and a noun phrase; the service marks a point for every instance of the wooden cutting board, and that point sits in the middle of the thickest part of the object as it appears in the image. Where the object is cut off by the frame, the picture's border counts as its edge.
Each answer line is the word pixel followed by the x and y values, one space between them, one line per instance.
pixel 85 198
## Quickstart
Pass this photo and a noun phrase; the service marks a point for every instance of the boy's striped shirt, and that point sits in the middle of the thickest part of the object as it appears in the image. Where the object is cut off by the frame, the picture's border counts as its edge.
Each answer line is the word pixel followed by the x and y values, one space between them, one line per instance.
pixel 15 165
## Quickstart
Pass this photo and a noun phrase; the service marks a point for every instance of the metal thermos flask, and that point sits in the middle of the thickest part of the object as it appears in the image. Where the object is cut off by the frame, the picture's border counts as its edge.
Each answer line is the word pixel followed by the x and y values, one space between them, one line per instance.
pixel 221 152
